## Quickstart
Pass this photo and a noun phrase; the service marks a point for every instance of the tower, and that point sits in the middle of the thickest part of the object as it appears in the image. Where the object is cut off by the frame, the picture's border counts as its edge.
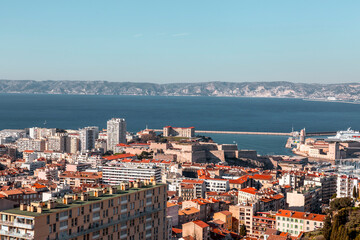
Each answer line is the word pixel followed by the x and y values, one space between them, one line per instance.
pixel 116 132
pixel 88 135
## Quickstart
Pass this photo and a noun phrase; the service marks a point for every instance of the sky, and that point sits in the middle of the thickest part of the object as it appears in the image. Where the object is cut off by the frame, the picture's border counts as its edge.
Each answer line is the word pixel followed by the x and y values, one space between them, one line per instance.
pixel 181 41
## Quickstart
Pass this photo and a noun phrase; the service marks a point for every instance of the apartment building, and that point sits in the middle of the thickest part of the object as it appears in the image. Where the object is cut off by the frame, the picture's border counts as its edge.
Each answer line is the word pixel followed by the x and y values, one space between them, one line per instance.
pixel 295 222
pixel 345 186
pixel 115 173
pixel 76 179
pixel 129 211
pixel 30 144
pixel 305 199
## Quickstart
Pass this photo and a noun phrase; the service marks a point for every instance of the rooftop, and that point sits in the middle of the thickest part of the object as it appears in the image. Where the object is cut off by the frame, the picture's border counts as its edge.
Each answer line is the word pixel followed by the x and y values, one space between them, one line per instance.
pixel 92 199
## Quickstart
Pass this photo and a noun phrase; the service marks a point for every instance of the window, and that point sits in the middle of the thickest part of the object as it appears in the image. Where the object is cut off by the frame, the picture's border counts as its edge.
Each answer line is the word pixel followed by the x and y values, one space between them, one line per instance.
pixel 63 224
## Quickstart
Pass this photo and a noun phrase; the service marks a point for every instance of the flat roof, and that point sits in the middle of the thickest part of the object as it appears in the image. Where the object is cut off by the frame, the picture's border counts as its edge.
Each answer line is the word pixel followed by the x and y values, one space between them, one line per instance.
pixel 92 199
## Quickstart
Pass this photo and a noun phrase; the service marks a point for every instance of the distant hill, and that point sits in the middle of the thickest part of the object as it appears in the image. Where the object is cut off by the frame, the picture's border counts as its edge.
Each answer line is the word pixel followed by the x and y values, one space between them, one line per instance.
pixel 341 91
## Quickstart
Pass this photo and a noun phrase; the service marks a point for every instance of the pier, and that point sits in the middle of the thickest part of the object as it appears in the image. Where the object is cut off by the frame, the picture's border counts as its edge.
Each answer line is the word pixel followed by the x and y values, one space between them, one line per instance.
pixel 259 133
pixel 237 132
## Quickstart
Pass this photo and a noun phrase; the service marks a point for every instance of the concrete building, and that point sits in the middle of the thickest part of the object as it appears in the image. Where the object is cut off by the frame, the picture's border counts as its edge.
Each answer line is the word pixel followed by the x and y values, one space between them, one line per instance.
pixel 30 144
pixel 178 132
pixel 116 173
pixel 345 185
pixel 226 217
pixel 56 143
pixel 116 132
pixel 295 222
pixel 88 136
pixel 76 179
pixel 243 213
pixel 305 199
pixel 196 229
pixel 173 212
pixel 126 212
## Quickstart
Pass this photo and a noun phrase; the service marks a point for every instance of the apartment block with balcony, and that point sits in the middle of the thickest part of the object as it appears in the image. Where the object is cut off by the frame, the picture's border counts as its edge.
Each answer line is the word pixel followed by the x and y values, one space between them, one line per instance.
pixel 129 211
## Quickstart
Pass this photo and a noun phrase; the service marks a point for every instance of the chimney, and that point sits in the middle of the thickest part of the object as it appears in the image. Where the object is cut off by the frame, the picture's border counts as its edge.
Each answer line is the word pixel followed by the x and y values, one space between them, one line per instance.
pixel 84 196
pixel 23 207
pixel 39 209
pixel 28 208
pixel 75 197
pixel 67 199
pixel 112 190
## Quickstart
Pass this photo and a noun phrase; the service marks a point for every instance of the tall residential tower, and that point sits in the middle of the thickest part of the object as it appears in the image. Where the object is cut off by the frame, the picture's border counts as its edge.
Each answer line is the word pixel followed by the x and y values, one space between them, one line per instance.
pixel 116 132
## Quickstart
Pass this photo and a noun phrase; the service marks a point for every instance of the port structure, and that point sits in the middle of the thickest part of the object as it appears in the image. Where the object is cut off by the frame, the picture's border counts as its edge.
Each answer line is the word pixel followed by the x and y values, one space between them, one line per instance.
pixel 260 133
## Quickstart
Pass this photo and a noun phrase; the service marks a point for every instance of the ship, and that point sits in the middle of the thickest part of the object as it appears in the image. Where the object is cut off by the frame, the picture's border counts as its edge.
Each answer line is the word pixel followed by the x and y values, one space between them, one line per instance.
pixel 348 135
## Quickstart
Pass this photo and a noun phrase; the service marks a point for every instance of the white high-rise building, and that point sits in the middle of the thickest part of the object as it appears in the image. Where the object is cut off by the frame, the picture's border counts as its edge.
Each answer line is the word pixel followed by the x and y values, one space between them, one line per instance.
pixel 88 136
pixel 116 132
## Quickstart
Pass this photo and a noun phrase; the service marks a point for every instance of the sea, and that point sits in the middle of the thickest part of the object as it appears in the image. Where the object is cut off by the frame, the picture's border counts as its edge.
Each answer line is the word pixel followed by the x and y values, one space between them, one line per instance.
pixel 19 111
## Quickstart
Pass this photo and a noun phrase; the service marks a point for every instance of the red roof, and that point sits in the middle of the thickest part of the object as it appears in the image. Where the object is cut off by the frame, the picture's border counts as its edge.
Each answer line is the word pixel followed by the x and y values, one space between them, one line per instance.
pixel 119 156
pixel 262 177
pixel 301 215
pixel 201 223
pixel 250 190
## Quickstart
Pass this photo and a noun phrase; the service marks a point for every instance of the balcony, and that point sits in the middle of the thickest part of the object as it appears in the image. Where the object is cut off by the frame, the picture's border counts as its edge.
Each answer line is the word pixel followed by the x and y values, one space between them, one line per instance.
pixel 16 234
pixel 18 224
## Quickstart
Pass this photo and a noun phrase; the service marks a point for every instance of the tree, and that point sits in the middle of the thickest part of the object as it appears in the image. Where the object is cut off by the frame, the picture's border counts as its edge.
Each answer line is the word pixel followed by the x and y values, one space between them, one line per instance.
pixel 333 196
pixel 339 203
pixel 243 230
pixel 355 194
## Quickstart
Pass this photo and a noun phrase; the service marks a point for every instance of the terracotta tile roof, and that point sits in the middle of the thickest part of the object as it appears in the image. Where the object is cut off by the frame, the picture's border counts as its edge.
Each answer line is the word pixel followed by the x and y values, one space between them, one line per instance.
pixel 119 156
pixel 250 190
pixel 201 223
pixel 193 181
pixel 262 177
pixel 177 230
pixel 227 213
pixel 301 215
pixel 188 211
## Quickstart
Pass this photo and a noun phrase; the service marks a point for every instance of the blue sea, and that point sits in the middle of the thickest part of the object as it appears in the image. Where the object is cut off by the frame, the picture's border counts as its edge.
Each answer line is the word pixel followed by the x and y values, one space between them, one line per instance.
pixel 204 113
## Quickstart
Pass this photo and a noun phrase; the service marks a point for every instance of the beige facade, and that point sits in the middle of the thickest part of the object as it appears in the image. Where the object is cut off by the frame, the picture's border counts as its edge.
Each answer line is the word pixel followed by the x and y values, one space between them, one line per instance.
pixel 131 211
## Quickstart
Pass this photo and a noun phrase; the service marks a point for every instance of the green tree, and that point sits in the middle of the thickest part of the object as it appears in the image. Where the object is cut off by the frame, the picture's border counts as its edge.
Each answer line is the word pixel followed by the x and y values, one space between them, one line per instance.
pixel 355 194
pixel 339 203
pixel 243 230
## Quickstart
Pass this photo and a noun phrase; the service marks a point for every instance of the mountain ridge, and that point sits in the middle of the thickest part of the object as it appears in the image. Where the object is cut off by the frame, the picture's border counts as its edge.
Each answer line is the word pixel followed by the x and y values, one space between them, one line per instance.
pixel 277 89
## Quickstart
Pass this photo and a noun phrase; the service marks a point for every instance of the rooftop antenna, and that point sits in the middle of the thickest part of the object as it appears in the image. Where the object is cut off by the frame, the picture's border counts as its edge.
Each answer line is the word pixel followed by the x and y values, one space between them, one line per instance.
pixel 45 123
pixel 146 126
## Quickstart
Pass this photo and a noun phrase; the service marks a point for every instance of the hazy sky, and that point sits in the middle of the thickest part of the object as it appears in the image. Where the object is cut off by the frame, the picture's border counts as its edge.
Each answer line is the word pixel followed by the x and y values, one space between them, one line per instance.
pixel 180 41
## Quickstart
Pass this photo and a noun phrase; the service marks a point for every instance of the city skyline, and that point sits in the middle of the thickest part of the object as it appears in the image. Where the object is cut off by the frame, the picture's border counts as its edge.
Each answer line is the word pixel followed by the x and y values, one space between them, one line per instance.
pixel 165 42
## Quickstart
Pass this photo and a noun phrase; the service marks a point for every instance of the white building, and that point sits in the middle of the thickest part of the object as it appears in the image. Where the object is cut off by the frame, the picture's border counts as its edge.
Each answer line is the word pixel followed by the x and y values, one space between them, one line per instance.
pixel 88 136
pixel 116 132
pixel 295 222
pixel 217 185
pixel 345 186
pixel 30 144
pixel 115 173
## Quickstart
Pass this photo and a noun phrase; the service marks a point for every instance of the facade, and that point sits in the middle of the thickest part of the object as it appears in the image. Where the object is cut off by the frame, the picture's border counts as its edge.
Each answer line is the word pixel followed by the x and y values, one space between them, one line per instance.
pixel 226 217
pixel 179 132
pixel 305 199
pixel 116 132
pixel 124 212
pixel 345 186
pixel 295 222
pixel 196 229
pixel 56 143
pixel 76 179
pixel 88 136
pixel 243 213
pixel 30 144
pixel 116 173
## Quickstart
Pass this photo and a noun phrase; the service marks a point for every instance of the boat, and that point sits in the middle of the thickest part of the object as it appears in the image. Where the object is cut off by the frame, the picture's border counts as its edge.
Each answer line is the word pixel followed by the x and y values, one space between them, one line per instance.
pixel 348 135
